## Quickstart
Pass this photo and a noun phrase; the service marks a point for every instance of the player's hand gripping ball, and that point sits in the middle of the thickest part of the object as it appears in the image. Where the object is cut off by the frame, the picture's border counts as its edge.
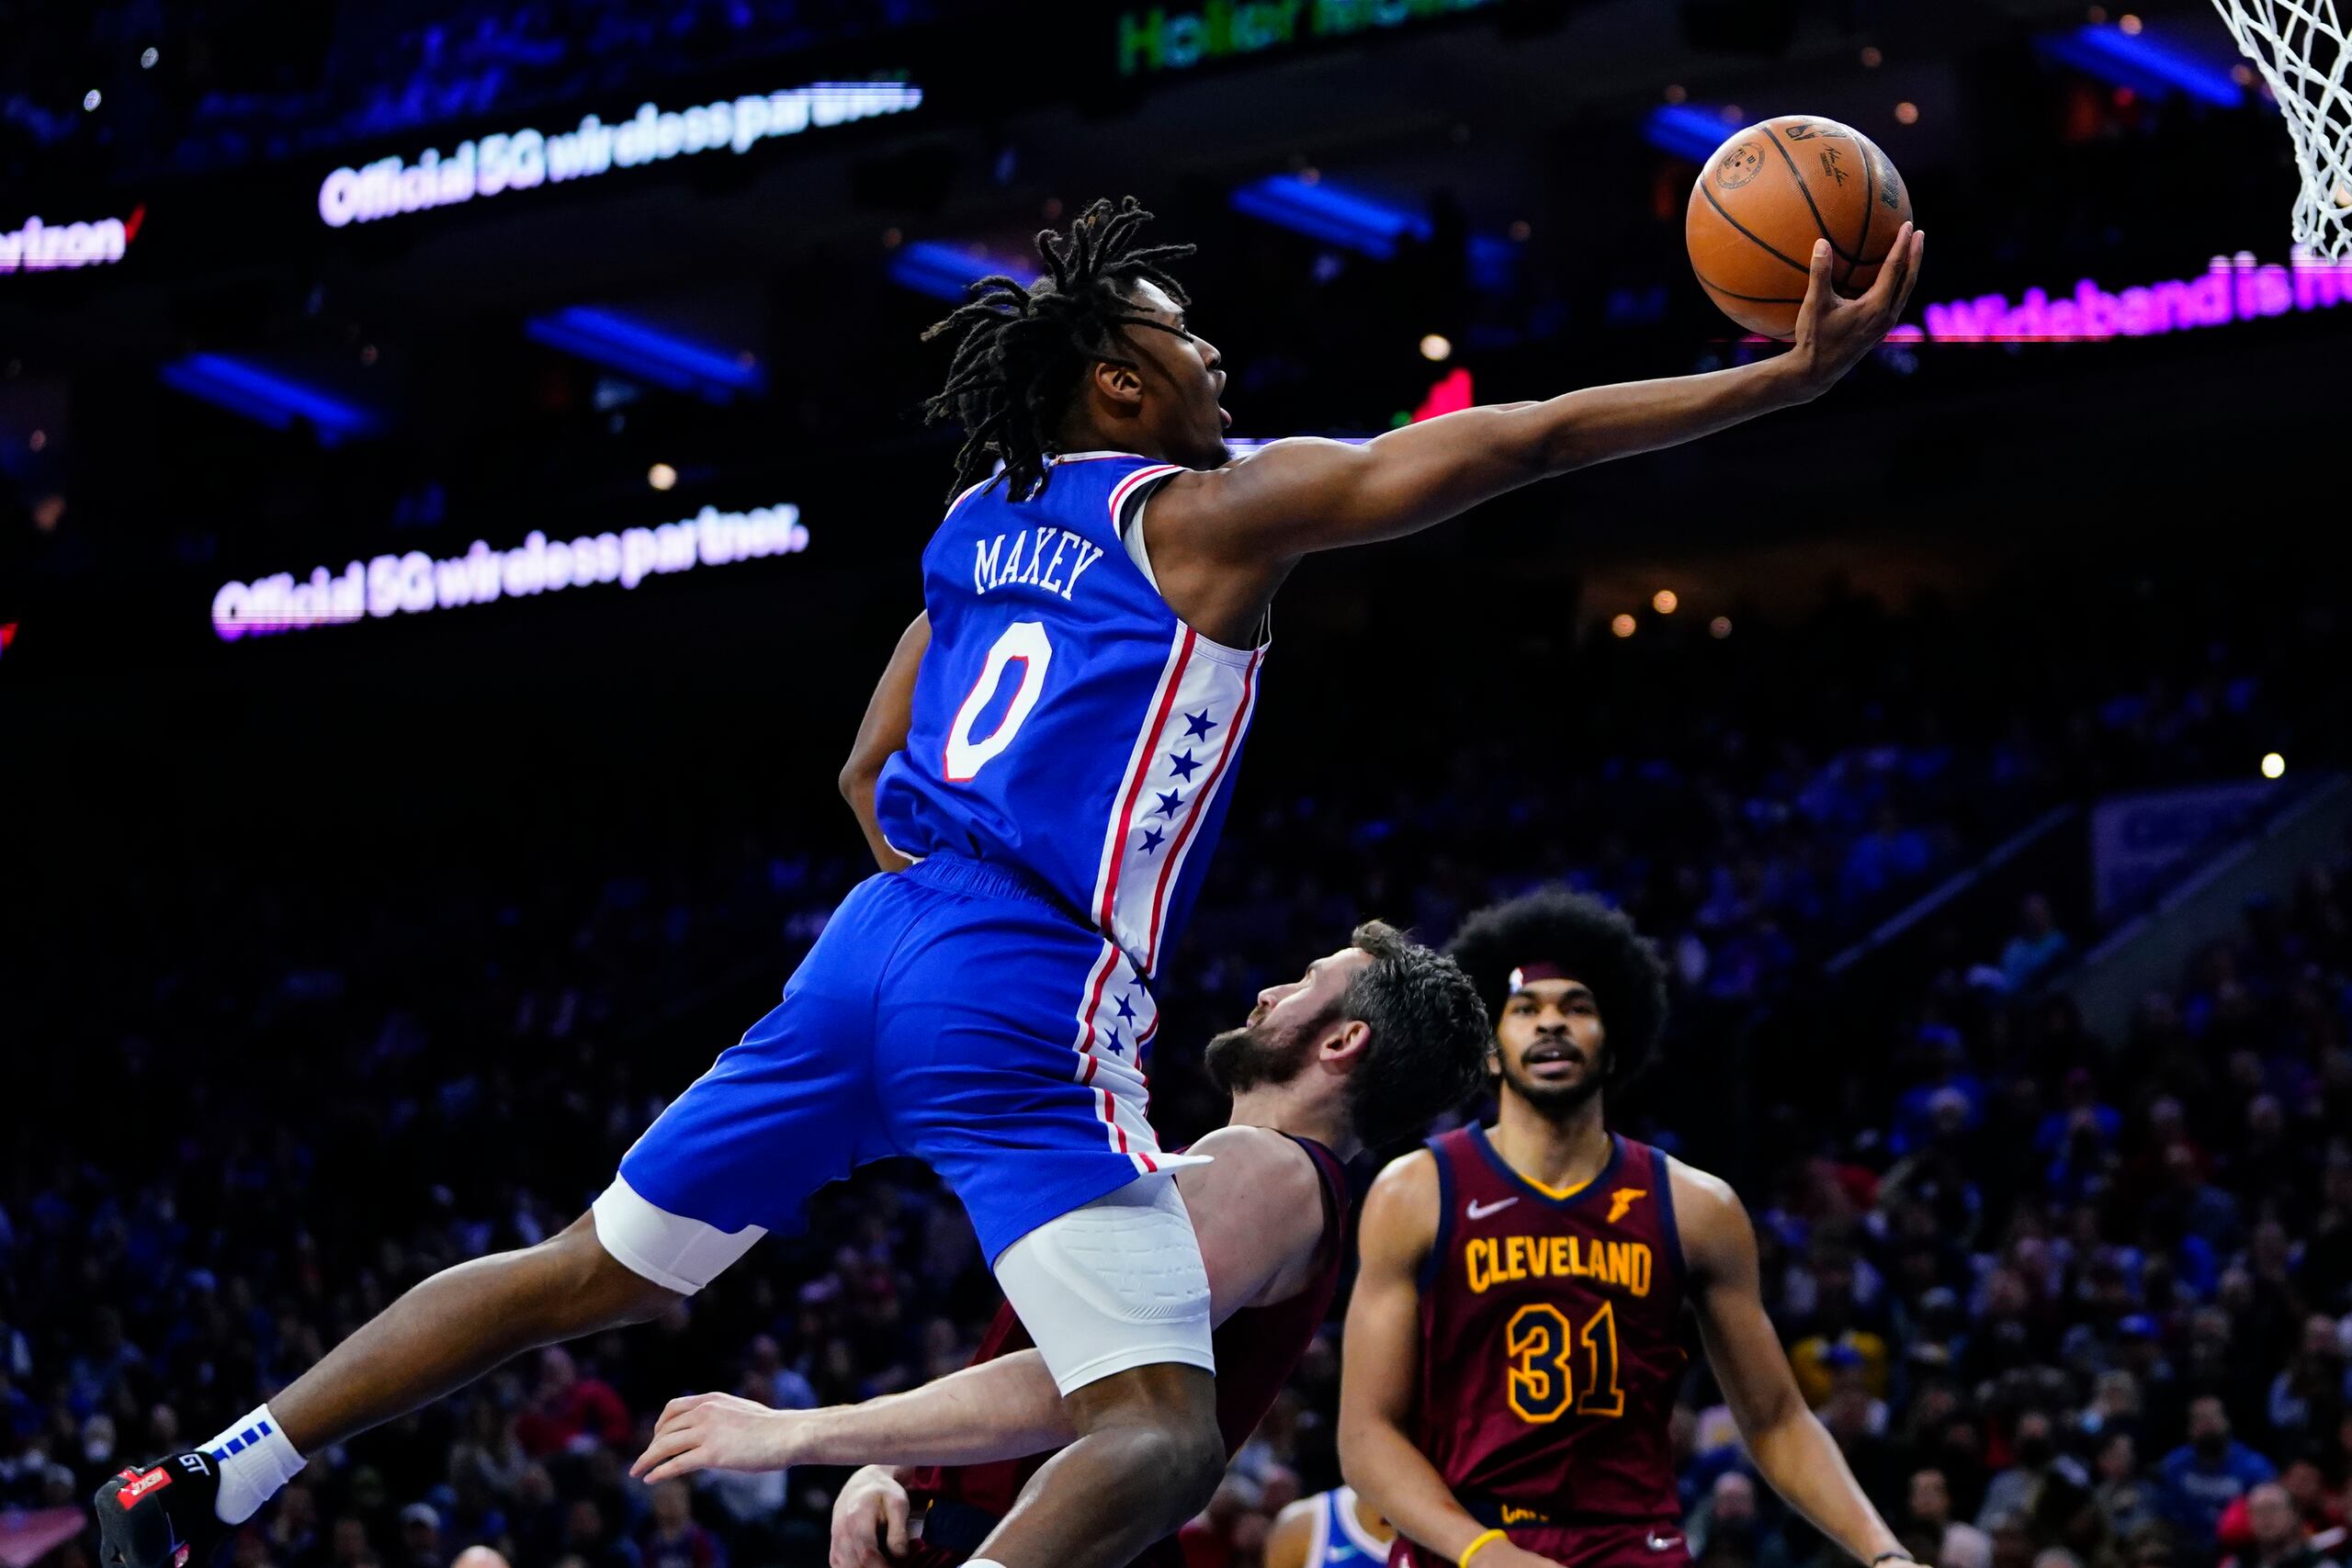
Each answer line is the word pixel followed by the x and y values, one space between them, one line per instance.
pixel 1769 192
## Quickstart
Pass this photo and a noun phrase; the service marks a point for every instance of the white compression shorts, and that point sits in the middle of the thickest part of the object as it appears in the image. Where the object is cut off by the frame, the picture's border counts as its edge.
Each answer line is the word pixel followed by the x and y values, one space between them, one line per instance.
pixel 1112 1285
pixel 675 1252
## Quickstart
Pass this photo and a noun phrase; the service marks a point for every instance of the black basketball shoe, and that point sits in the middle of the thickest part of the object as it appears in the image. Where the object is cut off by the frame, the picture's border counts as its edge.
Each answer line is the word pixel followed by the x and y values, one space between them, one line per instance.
pixel 161 1515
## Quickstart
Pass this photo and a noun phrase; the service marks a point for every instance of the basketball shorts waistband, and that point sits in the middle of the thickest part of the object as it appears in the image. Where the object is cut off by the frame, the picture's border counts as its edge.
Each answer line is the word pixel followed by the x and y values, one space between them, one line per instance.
pixel 1495 1513
pixel 985 879
pixel 952 1525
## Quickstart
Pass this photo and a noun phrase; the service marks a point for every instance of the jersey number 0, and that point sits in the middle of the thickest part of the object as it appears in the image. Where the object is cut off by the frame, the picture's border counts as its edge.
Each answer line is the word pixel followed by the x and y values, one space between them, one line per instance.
pixel 1025 643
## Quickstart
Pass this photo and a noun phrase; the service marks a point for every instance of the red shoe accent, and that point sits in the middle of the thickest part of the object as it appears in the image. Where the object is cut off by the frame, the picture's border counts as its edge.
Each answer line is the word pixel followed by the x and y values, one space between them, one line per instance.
pixel 155 1480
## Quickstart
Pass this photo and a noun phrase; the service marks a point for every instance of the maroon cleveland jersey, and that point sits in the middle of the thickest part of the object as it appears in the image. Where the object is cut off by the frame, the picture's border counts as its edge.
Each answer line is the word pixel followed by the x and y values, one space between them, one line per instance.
pixel 1550 1350
pixel 1257 1349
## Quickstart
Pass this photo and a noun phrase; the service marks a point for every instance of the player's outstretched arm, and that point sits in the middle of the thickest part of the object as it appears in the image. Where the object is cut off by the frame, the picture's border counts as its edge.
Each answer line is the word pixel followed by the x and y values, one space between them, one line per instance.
pixel 1006 1408
pixel 1305 495
pixel 881 733
pixel 1257 1209
pixel 1793 1451
pixel 1381 1359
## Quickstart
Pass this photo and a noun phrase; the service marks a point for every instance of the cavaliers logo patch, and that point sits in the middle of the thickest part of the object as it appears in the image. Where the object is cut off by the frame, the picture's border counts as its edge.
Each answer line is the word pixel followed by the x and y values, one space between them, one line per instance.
pixel 1738 165
pixel 1622 1200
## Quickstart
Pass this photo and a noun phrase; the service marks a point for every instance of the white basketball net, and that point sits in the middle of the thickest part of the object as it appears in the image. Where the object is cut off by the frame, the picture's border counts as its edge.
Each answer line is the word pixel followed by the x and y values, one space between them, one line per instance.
pixel 2300 47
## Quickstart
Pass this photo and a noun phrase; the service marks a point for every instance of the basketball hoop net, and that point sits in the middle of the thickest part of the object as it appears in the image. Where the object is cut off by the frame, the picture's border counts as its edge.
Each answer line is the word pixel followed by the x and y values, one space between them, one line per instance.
pixel 2301 49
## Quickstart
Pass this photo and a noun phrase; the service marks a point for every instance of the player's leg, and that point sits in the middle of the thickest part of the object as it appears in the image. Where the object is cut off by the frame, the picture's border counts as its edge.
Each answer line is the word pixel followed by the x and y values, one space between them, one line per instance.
pixel 777 1116
pixel 437 1338
pixel 1005 1058
pixel 1115 1295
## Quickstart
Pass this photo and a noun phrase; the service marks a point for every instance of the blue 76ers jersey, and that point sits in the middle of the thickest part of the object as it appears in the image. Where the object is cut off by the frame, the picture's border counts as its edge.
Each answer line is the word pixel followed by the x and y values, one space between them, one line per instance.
pixel 1066 723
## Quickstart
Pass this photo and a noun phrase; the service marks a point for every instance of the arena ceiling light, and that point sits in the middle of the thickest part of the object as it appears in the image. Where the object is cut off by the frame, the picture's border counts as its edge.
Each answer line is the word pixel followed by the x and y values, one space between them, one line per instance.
pixel 948 272
pixel 2143 62
pixel 264 396
pixel 1321 211
pixel 1685 130
pixel 638 348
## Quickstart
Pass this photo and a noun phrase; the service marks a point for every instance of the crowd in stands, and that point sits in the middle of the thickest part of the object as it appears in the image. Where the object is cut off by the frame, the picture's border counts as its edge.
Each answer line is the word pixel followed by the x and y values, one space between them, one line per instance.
pixel 250 82
pixel 2067 1303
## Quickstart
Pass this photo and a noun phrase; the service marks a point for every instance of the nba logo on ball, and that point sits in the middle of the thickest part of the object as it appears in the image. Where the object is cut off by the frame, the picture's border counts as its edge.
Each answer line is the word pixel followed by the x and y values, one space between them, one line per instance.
pixel 1738 165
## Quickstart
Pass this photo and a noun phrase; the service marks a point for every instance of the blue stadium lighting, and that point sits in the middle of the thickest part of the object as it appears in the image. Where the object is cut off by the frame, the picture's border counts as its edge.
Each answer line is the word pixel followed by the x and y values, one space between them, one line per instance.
pixel 944 271
pixel 2143 63
pixel 1320 212
pixel 633 347
pixel 1686 130
pixel 1493 262
pixel 246 388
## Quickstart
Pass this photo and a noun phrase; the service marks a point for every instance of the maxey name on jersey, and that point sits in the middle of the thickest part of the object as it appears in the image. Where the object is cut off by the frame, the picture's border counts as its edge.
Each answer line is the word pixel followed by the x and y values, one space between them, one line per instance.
pixel 993 567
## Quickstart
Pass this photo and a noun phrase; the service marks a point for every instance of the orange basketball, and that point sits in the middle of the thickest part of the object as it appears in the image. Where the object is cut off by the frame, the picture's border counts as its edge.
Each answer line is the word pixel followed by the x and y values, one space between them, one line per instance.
pixel 1768 194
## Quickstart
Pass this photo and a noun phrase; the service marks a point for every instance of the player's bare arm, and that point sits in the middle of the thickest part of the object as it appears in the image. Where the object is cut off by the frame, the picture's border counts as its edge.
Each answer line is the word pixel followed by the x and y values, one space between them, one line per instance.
pixel 1791 1448
pixel 881 733
pixel 1382 1356
pixel 1221 540
pixel 1258 1210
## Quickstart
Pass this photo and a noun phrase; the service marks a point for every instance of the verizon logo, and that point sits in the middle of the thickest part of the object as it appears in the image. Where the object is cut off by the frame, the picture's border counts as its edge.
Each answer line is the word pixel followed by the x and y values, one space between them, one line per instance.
pixel 41 246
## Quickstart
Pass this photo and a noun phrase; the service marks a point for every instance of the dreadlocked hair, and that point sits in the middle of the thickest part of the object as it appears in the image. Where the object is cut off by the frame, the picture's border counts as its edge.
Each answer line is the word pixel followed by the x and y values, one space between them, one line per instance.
pixel 1019 352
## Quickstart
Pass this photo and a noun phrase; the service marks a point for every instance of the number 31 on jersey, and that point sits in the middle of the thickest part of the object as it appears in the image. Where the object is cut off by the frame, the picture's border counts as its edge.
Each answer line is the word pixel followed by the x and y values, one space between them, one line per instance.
pixel 1543 1345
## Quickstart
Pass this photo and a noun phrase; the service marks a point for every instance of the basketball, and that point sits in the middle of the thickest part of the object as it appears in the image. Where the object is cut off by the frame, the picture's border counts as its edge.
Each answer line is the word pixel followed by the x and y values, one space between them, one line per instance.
pixel 1768 193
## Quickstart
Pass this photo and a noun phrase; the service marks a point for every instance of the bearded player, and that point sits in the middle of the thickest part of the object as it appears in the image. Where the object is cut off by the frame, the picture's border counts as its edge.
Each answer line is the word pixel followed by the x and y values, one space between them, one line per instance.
pixel 1046 766
pixel 1511 1356
pixel 1366 1046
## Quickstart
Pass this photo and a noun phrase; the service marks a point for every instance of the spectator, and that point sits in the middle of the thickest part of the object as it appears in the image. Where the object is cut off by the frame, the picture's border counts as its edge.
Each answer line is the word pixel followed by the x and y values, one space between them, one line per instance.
pixel 586 1539
pixel 2038 944
pixel 2278 1537
pixel 421 1537
pixel 2127 1502
pixel 2038 1464
pixel 671 1538
pixel 2309 1394
pixel 1725 1530
pixel 1928 1511
pixel 568 1412
pixel 2201 1478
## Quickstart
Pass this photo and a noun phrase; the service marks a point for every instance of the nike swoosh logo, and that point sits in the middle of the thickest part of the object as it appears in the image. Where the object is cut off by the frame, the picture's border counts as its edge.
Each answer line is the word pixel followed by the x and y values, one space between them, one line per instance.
pixel 1664 1543
pixel 1480 1210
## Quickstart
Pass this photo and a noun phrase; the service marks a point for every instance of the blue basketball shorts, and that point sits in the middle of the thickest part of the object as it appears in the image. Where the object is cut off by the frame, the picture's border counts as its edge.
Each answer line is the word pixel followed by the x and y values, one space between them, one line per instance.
pixel 950 1012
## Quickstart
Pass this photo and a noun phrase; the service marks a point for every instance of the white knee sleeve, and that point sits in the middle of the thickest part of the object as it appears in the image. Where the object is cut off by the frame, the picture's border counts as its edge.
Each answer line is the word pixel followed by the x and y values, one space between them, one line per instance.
pixel 1114 1285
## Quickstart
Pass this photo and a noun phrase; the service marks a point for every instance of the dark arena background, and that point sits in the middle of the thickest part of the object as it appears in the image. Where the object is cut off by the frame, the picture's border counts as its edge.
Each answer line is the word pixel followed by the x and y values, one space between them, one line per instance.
pixel 1972 741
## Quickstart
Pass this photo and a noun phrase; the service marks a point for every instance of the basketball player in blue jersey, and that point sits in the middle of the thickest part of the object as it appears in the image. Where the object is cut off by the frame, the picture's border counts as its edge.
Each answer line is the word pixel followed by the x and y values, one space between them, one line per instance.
pixel 1331 1529
pixel 1041 774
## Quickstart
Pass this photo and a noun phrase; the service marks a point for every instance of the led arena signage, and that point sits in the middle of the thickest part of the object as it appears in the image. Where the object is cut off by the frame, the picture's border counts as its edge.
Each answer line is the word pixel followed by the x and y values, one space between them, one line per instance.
pixel 522 160
pixel 38 246
pixel 1167 38
pixel 2231 290
pixel 416 583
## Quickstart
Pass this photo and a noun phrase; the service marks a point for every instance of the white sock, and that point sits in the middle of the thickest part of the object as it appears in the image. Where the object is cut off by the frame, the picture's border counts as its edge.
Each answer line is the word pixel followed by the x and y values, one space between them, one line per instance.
pixel 256 1460
pixel 981 1562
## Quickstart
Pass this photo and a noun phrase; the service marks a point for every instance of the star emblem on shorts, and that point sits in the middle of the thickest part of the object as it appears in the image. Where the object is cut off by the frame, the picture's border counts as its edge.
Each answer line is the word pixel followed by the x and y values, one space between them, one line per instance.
pixel 1198 725
pixel 1126 1007
pixel 1152 838
pixel 1118 1043
pixel 1169 801
pixel 1183 764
